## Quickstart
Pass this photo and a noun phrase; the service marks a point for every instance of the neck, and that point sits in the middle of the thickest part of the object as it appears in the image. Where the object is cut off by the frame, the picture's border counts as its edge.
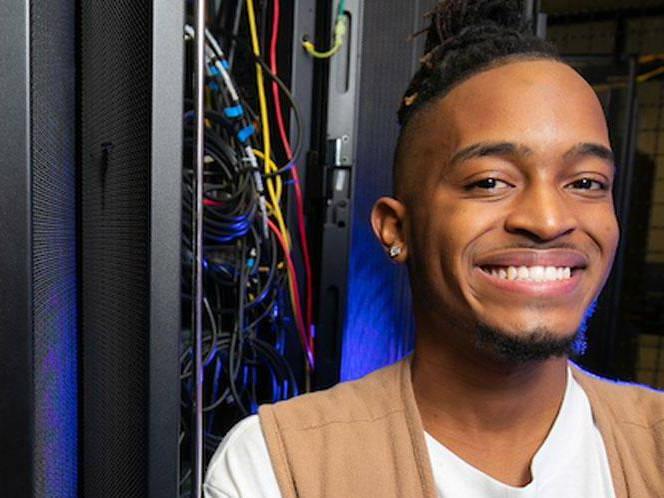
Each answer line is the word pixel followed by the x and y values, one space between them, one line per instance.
pixel 493 413
pixel 462 391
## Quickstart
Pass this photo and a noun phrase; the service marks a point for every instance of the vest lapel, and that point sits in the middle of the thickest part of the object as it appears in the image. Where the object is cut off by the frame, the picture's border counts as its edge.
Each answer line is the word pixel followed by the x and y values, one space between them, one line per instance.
pixel 606 427
pixel 416 430
pixel 361 439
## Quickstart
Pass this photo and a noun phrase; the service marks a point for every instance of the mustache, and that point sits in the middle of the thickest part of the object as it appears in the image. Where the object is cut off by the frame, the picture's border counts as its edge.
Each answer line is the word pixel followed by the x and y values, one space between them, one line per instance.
pixel 542 246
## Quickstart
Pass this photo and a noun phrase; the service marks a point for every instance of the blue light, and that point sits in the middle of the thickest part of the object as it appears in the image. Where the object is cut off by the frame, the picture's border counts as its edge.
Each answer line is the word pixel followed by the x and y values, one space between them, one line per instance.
pixel 378 328
pixel 56 400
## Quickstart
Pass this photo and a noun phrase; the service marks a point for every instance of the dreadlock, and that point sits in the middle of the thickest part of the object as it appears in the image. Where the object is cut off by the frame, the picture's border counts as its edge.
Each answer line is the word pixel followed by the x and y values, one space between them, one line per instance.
pixel 466 37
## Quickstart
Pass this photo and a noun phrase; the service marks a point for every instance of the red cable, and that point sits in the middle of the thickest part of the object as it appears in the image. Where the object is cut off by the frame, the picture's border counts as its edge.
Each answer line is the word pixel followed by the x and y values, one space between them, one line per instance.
pixel 296 293
pixel 296 177
pixel 212 202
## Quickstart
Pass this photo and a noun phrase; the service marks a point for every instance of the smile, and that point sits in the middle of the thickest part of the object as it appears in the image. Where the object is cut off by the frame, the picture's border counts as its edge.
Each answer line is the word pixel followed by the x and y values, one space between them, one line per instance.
pixel 530 273
pixel 535 281
pixel 554 273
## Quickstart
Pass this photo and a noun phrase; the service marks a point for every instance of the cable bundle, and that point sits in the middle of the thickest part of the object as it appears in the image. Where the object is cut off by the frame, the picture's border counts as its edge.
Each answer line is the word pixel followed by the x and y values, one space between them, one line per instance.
pixel 253 301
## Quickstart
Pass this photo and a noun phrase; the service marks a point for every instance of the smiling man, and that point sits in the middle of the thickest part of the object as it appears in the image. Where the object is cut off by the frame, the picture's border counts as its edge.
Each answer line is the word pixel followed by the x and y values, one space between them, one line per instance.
pixel 503 214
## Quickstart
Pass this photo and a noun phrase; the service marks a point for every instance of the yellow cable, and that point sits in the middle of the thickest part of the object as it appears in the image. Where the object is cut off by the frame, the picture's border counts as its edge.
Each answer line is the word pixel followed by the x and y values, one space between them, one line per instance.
pixel 311 49
pixel 642 78
pixel 648 58
pixel 265 123
pixel 291 282
pixel 275 196
pixel 339 35
pixel 277 211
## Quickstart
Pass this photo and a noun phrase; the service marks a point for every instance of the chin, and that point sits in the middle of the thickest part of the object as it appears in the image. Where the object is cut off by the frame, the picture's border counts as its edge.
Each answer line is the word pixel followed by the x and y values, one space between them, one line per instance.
pixel 535 343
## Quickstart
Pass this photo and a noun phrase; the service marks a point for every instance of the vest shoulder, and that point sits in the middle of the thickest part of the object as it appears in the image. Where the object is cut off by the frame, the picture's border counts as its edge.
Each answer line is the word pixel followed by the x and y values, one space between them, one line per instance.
pixel 373 396
pixel 629 402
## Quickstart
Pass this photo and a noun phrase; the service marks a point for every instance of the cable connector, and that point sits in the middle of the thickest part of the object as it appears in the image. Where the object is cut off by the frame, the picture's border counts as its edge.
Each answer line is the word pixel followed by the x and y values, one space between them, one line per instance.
pixel 245 133
pixel 340 29
pixel 234 112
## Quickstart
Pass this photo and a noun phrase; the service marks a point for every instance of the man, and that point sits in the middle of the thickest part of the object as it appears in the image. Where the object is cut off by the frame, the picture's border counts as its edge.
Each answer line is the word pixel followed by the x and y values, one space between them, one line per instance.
pixel 503 214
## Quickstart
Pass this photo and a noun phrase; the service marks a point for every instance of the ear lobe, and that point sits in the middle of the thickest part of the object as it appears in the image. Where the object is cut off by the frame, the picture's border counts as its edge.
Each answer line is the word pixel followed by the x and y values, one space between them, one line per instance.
pixel 387 220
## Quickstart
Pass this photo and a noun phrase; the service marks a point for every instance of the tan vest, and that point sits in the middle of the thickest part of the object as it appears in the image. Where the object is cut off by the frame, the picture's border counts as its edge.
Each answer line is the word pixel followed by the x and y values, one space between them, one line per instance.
pixel 365 438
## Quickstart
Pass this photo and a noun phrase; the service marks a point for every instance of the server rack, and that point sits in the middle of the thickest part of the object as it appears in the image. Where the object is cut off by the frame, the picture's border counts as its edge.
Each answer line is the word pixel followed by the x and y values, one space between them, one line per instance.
pixel 131 77
pixel 38 292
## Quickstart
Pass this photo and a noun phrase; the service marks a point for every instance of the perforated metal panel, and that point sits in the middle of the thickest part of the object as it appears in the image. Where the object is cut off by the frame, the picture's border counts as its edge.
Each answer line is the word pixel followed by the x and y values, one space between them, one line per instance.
pixel 131 147
pixel 53 174
pixel 115 123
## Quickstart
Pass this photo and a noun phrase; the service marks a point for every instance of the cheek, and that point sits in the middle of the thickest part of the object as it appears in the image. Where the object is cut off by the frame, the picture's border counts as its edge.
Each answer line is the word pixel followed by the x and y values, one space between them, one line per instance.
pixel 604 230
pixel 431 239
pixel 613 235
pixel 456 227
pixel 608 232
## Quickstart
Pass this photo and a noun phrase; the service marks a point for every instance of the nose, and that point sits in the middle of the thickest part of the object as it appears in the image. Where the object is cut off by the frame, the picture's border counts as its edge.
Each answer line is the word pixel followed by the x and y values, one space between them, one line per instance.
pixel 542 213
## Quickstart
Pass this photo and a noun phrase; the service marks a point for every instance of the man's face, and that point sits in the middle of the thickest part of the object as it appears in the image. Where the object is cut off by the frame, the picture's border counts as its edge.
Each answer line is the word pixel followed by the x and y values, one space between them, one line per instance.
pixel 509 218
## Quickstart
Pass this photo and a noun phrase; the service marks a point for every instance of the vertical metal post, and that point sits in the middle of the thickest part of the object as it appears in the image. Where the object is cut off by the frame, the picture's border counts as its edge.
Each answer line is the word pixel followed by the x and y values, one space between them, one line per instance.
pixel 168 17
pixel 341 130
pixel 17 404
pixel 622 200
pixel 532 12
pixel 529 8
pixel 197 270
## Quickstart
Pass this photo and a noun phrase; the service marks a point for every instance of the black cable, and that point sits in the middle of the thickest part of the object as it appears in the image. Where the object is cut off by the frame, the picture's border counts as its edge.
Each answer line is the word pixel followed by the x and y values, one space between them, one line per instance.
pixel 297 146
pixel 245 277
pixel 236 30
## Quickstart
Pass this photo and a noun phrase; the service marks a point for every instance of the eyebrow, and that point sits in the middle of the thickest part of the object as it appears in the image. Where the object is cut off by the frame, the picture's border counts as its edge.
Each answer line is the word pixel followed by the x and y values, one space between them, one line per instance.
pixel 484 149
pixel 586 149
pixel 502 149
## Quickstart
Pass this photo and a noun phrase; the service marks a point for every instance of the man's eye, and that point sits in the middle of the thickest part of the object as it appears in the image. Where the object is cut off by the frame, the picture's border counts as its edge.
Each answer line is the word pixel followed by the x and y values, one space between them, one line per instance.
pixel 488 184
pixel 588 184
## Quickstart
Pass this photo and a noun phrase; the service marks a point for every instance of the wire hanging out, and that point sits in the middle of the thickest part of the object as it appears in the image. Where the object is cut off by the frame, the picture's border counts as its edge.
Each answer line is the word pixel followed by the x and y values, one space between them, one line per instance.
pixel 257 318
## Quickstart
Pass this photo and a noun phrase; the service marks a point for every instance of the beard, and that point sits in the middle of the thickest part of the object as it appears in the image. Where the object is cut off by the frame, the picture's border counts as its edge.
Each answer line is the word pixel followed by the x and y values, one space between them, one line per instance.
pixel 537 344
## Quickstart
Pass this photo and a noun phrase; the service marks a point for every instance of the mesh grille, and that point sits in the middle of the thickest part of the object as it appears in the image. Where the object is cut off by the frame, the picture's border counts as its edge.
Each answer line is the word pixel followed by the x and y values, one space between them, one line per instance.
pixel 115 120
pixel 54 246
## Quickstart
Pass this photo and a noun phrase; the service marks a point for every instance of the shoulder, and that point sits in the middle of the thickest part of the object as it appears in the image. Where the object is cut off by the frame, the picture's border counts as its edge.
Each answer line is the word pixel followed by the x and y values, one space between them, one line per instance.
pixel 628 402
pixel 365 399
pixel 241 464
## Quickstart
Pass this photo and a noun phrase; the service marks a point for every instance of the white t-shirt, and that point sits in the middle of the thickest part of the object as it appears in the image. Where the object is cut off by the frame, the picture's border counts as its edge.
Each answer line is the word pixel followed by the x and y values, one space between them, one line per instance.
pixel 571 463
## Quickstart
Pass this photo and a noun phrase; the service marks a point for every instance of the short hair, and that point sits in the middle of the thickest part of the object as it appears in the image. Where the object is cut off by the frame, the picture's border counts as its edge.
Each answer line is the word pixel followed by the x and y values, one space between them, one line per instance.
pixel 466 37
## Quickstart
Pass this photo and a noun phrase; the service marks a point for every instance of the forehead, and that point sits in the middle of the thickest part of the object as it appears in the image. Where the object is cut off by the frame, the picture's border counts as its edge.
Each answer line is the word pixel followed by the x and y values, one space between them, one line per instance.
pixel 540 103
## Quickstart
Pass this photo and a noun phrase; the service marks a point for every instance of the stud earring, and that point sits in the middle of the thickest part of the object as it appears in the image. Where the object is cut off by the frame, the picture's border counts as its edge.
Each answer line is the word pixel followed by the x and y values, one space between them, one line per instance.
pixel 394 251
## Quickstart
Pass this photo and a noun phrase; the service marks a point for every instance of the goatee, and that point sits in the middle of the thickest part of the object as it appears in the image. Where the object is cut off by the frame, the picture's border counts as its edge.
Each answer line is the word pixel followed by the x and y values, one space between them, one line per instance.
pixel 537 344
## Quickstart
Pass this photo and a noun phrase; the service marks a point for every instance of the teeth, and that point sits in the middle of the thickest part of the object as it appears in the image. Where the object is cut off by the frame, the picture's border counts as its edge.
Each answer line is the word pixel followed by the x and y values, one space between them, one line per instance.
pixel 522 273
pixel 551 273
pixel 537 273
pixel 532 273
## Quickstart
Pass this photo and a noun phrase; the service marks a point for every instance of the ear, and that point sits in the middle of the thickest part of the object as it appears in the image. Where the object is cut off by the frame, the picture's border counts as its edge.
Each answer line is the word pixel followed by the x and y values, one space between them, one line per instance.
pixel 387 220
